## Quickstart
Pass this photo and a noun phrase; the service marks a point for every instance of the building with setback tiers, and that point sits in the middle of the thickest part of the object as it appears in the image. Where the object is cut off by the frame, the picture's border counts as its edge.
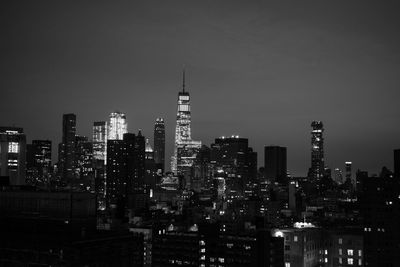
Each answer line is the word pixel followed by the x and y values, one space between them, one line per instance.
pixel 185 149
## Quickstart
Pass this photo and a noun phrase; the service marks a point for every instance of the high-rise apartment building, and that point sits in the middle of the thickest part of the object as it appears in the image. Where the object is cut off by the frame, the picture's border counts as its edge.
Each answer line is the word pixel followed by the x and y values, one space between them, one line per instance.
pixel 185 149
pixel 84 161
pixel 159 143
pixel 99 140
pixel 116 171
pixel 317 151
pixel 275 160
pixel 13 154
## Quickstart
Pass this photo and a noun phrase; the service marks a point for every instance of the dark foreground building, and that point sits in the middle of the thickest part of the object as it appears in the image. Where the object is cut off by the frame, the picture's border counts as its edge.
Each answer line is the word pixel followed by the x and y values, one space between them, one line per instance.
pixel 59 229
pixel 208 247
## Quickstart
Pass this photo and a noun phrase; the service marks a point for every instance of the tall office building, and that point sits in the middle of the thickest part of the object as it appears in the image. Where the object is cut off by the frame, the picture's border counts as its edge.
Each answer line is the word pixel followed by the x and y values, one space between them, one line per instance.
pixel 275 163
pixel 13 154
pixel 125 167
pixel 99 140
pixel 67 147
pixel 159 143
pixel 348 171
pixel 140 157
pixel 150 165
pixel 396 153
pixel 185 149
pixel 84 162
pixel 116 178
pixel 233 157
pixel 317 151
pixel 117 126
pixel 38 161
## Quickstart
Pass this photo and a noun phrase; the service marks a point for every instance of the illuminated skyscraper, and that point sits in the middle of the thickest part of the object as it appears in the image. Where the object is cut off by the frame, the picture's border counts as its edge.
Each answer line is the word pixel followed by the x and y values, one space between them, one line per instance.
pixel 99 140
pixel 12 154
pixel 117 126
pixel 317 151
pixel 185 149
pixel 159 143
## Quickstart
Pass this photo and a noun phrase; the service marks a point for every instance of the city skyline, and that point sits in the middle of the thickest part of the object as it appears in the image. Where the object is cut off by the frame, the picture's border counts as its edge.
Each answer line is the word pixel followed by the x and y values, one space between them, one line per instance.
pixel 342 71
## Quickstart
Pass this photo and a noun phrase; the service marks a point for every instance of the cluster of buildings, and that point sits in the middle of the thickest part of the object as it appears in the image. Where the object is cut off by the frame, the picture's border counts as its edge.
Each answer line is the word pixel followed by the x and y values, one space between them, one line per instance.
pixel 112 200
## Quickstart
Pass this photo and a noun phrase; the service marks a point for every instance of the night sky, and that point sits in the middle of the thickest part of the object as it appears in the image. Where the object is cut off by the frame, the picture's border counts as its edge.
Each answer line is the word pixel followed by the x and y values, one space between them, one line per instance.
pixel 262 70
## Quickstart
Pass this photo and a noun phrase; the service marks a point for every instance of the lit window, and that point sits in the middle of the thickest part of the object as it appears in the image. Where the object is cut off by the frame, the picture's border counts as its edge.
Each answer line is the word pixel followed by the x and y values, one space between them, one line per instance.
pixel 350 261
pixel 326 260
pixel 295 239
pixel 359 262
pixel 326 252
pixel 350 252
pixel 340 261
pixel 287 264
pixel 340 251
pixel 340 240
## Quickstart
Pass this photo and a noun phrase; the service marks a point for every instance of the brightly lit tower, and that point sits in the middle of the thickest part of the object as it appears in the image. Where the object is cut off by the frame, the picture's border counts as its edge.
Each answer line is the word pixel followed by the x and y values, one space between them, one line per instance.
pixel 185 149
pixel 117 126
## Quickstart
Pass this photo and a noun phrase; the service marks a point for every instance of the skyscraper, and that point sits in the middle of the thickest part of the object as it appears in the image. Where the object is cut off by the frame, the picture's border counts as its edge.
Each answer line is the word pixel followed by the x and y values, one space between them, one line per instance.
pixel 159 143
pixel 67 147
pixel 117 126
pixel 99 140
pixel 233 157
pixel 317 151
pixel 275 160
pixel 38 161
pixel 116 171
pixel 84 161
pixel 348 171
pixel 12 154
pixel 185 149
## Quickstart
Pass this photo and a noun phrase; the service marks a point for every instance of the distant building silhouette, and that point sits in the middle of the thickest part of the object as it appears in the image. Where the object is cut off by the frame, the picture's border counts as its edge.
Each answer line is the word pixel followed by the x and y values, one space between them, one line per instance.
pixel 317 151
pixel 349 177
pixel 159 143
pixel 185 149
pixel 275 162
pixel 13 154
pixel 67 148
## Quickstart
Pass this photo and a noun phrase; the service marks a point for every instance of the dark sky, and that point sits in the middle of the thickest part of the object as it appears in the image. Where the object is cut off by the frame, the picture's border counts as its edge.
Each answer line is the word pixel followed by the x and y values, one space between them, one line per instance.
pixel 263 70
